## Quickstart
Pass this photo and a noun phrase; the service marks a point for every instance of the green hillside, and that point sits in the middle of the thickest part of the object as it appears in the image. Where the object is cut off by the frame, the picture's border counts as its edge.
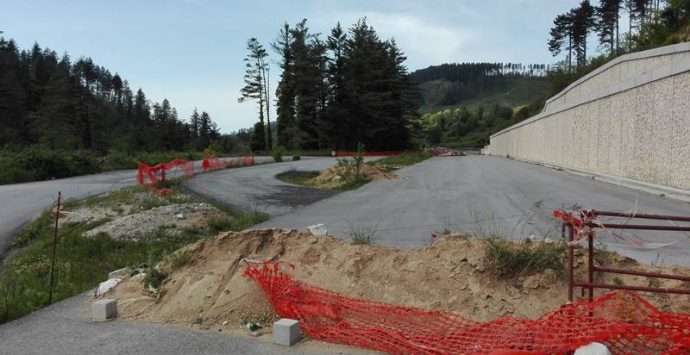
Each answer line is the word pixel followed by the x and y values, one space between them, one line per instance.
pixel 463 104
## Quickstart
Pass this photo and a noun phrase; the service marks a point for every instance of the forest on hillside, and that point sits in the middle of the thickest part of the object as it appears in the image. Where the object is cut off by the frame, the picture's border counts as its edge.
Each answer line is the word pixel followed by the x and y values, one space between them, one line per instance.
pixel 463 103
pixel 62 117
pixel 49 100
pixel 620 26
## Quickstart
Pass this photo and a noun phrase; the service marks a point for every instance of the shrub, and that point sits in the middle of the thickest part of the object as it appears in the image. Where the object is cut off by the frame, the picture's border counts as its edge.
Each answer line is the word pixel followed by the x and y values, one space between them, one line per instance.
pixel 277 154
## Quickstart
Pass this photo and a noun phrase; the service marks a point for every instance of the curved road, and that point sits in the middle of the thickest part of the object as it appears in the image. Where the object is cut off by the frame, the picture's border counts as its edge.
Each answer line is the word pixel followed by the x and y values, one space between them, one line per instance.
pixel 490 195
pixel 22 202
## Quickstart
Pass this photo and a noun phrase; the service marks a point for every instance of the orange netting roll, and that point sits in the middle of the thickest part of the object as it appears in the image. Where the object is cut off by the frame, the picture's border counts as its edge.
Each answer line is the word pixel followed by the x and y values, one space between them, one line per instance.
pixel 625 322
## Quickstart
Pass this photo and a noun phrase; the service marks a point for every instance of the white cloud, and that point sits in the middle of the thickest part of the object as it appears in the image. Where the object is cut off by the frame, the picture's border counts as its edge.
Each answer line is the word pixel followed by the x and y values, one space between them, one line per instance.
pixel 420 38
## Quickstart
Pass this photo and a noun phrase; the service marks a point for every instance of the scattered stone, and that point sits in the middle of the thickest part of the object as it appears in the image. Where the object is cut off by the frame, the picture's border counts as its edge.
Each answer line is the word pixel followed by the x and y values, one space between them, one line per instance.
pixel 531 282
pixel 122 274
pixel 513 292
pixel 138 277
pixel 106 286
pixel 225 323
pixel 179 216
pixel 318 230
pixel 548 278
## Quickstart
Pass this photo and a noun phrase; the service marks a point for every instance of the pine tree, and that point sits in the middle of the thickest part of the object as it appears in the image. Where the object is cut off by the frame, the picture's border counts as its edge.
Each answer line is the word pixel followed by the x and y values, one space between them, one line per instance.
pixel 255 66
pixel 583 23
pixel 608 16
pixel 285 92
pixel 562 37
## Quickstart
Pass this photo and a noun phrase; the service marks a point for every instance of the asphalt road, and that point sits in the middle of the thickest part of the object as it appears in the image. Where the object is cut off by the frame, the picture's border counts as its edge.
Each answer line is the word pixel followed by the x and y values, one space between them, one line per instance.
pixel 256 188
pixel 66 328
pixel 20 203
pixel 23 202
pixel 480 194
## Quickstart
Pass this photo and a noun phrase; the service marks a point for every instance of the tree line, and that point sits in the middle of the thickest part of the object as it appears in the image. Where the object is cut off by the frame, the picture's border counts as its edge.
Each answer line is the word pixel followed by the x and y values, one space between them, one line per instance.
pixel 335 92
pixel 465 81
pixel 54 102
pixel 650 23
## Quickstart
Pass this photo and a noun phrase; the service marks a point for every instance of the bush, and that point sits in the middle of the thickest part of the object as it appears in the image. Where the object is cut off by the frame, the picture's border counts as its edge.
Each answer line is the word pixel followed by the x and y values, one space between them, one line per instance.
pixel 277 154
pixel 40 163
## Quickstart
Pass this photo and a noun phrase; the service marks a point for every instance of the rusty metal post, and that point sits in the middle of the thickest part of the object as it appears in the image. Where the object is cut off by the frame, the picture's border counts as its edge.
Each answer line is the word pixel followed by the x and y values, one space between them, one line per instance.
pixel 571 278
pixel 53 257
pixel 590 263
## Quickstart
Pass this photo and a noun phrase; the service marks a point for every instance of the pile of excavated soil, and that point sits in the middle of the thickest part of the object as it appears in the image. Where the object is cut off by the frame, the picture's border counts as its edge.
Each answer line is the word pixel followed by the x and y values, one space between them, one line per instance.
pixel 210 291
pixel 336 176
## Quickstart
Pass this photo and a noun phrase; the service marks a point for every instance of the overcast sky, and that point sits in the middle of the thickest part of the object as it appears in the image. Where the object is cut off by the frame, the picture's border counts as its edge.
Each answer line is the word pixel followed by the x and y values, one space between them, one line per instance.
pixel 191 51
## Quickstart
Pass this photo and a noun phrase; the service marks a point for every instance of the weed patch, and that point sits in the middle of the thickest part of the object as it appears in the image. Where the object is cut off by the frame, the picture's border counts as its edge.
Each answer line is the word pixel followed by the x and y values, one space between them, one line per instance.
pixel 510 259
pixel 84 261
pixel 362 235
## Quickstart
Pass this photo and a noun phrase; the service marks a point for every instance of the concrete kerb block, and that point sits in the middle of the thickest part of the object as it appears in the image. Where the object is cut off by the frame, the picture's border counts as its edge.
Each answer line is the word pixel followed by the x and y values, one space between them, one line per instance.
pixel 104 309
pixel 286 332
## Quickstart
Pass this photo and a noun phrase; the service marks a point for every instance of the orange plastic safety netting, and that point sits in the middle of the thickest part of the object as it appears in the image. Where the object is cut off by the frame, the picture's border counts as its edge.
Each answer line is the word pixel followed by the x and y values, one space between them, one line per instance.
pixel 210 163
pixel 151 176
pixel 625 322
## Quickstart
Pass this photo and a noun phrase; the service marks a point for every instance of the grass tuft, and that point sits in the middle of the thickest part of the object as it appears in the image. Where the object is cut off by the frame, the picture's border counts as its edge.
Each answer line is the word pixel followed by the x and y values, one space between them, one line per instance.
pixel 510 259
pixel 362 235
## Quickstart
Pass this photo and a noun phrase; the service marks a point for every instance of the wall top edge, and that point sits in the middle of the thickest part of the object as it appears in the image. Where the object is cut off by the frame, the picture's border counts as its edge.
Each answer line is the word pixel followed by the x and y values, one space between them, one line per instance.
pixel 650 53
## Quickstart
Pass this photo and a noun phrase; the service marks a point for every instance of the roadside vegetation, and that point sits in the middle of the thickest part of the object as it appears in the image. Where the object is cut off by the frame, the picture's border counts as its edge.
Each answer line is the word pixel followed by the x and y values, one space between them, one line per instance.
pixel 508 259
pixel 86 254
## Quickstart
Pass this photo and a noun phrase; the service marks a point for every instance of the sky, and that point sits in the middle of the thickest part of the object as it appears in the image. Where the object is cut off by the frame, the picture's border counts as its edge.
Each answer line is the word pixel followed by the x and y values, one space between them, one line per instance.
pixel 191 51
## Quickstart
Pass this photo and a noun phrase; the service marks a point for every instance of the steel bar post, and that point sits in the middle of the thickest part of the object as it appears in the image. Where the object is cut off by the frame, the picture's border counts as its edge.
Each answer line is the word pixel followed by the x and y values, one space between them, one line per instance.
pixel 53 257
pixel 571 279
pixel 590 262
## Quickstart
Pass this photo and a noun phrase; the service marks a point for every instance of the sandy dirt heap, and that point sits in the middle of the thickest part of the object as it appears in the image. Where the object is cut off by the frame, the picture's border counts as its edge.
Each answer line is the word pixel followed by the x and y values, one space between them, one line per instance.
pixel 451 275
pixel 336 176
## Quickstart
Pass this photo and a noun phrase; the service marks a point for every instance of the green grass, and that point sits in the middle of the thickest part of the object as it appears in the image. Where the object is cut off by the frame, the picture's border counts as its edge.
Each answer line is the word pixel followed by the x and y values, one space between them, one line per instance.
pixel 510 259
pixel 83 262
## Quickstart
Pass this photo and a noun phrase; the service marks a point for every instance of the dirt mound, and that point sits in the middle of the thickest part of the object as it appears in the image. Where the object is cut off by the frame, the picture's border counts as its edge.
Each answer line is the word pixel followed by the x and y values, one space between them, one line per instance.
pixel 452 274
pixel 337 176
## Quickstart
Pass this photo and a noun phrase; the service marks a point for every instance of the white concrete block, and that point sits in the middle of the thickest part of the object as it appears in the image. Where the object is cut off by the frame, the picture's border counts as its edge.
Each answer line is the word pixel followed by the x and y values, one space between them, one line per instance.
pixel 593 349
pixel 286 332
pixel 104 309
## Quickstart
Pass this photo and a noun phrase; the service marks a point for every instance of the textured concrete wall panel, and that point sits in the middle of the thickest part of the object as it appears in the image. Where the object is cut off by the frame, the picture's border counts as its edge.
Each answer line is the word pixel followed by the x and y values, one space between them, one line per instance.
pixel 631 118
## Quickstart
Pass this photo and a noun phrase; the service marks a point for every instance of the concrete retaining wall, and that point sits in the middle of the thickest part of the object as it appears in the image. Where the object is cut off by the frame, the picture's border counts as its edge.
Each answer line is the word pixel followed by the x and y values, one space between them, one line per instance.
pixel 630 119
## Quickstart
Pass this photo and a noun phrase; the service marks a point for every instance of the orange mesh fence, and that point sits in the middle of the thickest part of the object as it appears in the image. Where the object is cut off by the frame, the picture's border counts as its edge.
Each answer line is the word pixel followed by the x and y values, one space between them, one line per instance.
pixel 345 153
pixel 625 322
pixel 150 177
pixel 209 164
